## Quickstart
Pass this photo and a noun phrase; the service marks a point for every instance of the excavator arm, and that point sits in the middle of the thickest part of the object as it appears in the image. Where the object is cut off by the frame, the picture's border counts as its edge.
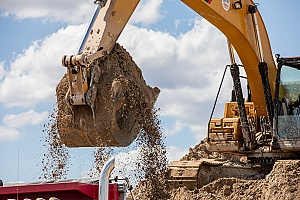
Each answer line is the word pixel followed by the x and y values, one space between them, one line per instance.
pixel 106 25
pixel 239 21
pixel 106 90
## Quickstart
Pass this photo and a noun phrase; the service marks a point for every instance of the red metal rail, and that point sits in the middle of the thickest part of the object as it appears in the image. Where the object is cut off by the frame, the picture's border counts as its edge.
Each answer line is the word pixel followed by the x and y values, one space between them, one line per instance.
pixel 60 190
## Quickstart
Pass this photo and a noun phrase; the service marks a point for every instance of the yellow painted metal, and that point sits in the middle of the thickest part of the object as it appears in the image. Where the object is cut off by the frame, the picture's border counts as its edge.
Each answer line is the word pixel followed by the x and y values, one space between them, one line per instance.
pixel 237 26
pixel 108 26
pixel 105 31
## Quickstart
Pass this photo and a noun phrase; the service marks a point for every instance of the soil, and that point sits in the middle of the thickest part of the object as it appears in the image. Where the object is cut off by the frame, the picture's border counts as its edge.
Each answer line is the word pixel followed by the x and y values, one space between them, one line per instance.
pixel 283 182
pixel 55 162
pixel 152 160
pixel 101 155
pixel 122 99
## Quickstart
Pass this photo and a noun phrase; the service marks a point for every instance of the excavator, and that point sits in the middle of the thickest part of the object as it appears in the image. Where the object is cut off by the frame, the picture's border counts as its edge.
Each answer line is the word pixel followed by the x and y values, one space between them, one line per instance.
pixel 264 126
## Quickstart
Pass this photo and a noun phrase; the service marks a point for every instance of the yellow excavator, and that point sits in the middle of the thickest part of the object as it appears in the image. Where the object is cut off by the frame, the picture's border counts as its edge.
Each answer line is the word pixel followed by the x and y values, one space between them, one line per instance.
pixel 264 126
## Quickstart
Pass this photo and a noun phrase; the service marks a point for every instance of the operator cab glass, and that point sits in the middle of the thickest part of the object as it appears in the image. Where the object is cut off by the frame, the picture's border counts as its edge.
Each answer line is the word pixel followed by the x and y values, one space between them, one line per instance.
pixel 289 101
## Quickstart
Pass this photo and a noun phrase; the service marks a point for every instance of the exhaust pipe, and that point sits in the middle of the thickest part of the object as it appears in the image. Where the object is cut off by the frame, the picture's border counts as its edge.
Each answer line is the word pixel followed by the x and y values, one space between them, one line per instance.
pixel 104 176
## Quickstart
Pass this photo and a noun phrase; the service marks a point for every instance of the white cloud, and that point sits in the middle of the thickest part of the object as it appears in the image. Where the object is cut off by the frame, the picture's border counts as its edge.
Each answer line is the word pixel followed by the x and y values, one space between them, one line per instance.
pixel 176 128
pixel 33 74
pixel 3 72
pixel 147 12
pixel 187 69
pixel 72 11
pixel 29 117
pixel 192 59
pixel 8 133
pixel 175 153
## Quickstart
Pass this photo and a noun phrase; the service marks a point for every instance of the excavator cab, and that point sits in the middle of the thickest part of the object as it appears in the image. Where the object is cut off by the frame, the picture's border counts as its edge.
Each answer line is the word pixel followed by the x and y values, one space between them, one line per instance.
pixel 281 134
pixel 287 104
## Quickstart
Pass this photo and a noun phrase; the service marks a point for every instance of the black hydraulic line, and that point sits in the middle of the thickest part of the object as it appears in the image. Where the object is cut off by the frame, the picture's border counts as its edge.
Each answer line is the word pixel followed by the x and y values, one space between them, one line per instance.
pixel 216 99
pixel 274 134
pixel 234 69
pixel 249 92
pixel 263 71
pixel 262 65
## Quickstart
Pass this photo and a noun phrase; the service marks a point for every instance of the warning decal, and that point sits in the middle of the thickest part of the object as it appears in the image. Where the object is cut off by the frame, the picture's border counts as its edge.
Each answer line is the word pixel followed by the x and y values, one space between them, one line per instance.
pixel 226 4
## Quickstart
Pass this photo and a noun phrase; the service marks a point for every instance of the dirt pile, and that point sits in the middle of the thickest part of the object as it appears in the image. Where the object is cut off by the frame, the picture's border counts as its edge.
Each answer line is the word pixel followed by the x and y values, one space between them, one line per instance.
pixel 282 183
pixel 200 151
pixel 121 98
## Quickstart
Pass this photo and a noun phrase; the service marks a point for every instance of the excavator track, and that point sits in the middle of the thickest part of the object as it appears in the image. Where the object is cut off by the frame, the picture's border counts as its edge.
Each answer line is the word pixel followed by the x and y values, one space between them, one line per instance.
pixel 196 174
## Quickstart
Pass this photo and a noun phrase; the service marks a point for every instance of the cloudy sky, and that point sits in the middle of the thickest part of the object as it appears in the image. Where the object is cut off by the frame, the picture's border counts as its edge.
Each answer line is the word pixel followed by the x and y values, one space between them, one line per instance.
pixel 177 50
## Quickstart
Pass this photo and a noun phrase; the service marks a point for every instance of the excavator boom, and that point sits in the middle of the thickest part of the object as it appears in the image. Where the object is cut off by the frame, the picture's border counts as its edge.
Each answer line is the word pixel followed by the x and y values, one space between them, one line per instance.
pixel 237 25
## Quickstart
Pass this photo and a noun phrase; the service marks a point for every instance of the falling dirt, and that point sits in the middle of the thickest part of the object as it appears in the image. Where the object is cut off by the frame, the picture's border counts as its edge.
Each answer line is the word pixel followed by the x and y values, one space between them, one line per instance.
pixel 56 161
pixel 123 111
pixel 152 159
pixel 101 155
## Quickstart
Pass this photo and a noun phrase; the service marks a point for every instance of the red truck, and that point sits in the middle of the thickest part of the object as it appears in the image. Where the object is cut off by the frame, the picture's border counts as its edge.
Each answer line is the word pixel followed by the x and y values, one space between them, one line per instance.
pixel 91 189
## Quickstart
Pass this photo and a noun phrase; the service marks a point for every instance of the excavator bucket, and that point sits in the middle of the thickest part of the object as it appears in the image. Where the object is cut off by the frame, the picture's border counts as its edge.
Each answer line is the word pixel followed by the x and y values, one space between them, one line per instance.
pixel 121 100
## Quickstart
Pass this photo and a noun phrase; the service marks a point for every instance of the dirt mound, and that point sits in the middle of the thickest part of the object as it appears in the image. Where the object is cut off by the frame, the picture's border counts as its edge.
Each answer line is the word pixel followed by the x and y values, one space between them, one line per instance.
pixel 200 151
pixel 282 183
pixel 117 112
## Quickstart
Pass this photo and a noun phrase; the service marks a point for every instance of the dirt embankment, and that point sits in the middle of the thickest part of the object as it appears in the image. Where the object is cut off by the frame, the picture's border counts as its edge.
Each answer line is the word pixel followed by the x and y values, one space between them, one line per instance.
pixel 283 182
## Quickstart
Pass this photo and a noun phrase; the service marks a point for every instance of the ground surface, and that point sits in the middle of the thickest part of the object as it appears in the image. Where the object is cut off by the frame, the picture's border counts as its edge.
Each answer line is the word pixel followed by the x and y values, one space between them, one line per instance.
pixel 283 182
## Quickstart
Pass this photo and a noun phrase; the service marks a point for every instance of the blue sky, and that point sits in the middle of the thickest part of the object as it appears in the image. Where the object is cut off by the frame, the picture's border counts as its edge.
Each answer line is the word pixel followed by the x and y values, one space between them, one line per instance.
pixel 168 41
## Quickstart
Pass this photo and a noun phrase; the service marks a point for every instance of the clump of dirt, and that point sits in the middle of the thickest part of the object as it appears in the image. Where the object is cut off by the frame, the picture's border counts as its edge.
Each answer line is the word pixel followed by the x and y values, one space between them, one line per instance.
pixel 56 160
pixel 119 95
